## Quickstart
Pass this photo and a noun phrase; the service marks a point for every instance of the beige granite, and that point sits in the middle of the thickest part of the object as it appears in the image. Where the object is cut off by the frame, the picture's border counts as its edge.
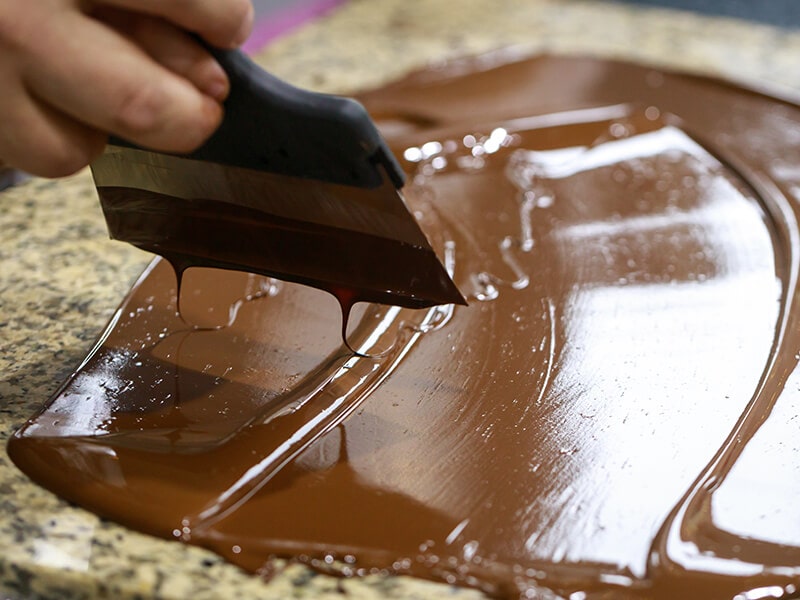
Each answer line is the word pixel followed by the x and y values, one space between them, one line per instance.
pixel 61 279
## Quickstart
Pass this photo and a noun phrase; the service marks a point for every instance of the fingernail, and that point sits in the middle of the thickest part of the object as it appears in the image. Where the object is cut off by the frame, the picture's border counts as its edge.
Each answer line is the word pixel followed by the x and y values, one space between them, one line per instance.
pixel 246 27
pixel 216 83
pixel 217 89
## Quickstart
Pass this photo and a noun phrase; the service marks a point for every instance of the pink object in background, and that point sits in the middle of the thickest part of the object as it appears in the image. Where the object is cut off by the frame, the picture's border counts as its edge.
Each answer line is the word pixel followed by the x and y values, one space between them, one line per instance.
pixel 276 18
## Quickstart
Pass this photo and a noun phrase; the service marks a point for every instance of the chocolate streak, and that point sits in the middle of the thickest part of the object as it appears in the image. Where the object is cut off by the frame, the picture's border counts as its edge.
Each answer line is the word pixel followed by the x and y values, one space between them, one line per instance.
pixel 613 415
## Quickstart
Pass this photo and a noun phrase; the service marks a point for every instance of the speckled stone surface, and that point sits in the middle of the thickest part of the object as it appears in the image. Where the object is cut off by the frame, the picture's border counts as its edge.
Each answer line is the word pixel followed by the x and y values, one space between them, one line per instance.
pixel 61 278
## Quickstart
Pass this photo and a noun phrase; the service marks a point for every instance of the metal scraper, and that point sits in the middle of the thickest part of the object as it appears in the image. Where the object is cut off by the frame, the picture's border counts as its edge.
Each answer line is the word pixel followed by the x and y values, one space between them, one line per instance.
pixel 295 185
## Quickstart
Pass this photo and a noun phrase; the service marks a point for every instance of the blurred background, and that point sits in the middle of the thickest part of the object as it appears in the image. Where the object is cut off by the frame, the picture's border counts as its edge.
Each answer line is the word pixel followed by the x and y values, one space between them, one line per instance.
pixel 785 13
pixel 277 17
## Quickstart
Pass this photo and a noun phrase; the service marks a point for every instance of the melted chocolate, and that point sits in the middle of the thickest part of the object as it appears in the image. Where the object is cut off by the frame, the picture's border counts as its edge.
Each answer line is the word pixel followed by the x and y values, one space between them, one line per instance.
pixel 208 233
pixel 613 414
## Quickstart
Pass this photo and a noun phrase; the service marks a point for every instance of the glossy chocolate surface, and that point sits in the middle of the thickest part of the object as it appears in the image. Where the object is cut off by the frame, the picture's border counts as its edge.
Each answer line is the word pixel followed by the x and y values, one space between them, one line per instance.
pixel 613 415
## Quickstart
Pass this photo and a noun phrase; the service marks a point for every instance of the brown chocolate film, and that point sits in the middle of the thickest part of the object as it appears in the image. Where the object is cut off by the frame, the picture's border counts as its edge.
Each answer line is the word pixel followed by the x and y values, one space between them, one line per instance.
pixel 613 415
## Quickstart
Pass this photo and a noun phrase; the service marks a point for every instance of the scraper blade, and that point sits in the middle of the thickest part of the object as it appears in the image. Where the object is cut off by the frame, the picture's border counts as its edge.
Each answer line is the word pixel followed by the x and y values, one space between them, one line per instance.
pixel 295 185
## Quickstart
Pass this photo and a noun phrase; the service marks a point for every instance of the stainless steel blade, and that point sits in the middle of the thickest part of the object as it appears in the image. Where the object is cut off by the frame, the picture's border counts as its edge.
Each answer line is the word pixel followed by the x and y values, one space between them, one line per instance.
pixel 317 233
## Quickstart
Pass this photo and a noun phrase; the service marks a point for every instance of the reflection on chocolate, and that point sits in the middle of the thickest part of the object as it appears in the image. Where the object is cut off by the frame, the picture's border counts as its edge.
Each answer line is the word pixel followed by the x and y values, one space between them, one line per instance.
pixel 613 415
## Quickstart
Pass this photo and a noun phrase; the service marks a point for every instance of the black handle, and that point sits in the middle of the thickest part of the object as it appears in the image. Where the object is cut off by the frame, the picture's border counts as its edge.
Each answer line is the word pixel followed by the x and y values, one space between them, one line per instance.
pixel 272 126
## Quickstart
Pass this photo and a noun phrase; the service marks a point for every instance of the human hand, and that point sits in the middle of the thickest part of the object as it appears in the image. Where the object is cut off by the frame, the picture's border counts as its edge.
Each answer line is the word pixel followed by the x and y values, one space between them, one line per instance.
pixel 73 71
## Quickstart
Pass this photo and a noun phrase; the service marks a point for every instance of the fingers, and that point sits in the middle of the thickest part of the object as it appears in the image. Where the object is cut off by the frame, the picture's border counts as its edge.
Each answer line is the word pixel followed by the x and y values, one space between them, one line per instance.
pixel 223 23
pixel 67 77
pixel 172 48
pixel 40 140
pixel 130 94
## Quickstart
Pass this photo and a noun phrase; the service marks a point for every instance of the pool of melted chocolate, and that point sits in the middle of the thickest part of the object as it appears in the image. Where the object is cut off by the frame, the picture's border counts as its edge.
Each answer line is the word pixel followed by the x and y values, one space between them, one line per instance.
pixel 614 414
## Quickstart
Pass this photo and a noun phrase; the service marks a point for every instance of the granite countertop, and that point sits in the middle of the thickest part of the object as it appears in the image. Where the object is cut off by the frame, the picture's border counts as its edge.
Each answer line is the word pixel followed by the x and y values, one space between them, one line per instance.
pixel 61 278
